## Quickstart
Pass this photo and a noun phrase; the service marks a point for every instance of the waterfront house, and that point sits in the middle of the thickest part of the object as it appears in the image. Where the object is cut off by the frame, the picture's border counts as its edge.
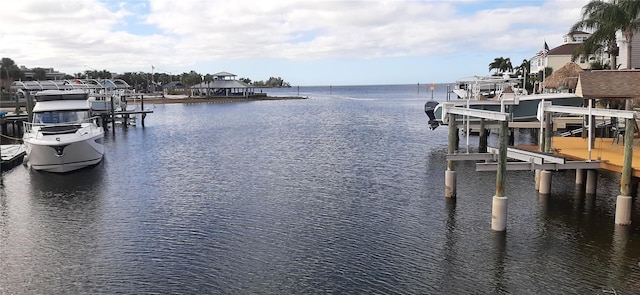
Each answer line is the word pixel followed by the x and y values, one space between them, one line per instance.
pixel 173 86
pixel 224 84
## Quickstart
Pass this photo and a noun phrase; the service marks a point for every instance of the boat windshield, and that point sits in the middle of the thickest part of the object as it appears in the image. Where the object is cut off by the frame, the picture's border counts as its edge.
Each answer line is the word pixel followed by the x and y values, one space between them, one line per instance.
pixel 60 117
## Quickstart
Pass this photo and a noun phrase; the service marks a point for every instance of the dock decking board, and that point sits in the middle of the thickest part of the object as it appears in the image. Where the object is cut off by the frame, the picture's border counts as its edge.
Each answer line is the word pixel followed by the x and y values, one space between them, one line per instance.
pixel 608 151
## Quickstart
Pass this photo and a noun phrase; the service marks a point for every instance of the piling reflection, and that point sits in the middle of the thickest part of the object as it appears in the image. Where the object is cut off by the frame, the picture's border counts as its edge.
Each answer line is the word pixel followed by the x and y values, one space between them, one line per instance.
pixel 499 248
pixel 449 265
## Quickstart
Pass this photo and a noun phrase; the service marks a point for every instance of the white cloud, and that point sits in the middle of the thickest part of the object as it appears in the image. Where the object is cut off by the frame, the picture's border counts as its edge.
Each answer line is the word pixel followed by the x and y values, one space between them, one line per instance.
pixel 73 34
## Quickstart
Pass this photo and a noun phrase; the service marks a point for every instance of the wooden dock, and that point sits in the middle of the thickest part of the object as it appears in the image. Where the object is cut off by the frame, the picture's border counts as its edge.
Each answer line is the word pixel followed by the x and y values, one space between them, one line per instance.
pixel 610 151
pixel 12 155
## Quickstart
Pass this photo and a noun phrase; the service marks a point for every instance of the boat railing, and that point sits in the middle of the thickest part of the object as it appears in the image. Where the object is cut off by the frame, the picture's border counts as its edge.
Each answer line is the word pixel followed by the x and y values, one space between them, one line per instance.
pixel 39 128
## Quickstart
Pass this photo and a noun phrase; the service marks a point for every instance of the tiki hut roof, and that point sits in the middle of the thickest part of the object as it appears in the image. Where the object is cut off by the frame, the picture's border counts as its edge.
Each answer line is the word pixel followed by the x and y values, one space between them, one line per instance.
pixel 564 77
pixel 609 84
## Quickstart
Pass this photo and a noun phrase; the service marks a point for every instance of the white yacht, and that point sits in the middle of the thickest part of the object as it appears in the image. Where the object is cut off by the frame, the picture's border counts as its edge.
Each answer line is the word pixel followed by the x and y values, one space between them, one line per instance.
pixel 494 94
pixel 63 135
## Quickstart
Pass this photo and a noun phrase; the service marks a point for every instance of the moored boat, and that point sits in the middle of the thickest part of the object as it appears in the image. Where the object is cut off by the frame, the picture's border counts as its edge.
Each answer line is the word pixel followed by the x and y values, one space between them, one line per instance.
pixel 503 95
pixel 63 136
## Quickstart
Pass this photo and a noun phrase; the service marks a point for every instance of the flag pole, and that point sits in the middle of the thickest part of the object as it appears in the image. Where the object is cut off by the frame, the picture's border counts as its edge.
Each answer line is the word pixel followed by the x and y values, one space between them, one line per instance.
pixel 545 51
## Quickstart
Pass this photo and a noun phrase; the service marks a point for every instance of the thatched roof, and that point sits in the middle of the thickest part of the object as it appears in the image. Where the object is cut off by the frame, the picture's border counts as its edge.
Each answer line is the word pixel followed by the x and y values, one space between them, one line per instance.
pixel 609 84
pixel 564 77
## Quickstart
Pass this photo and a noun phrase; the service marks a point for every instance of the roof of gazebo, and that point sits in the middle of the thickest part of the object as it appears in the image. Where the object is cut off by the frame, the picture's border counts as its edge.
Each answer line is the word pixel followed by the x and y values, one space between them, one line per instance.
pixel 217 84
pixel 609 84
pixel 566 76
pixel 224 74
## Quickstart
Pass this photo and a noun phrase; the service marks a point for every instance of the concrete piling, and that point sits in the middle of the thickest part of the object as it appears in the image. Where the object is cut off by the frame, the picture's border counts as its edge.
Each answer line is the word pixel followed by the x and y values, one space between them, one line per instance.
pixel 545 182
pixel 450 183
pixel 499 207
pixel 579 177
pixel 499 213
pixel 623 210
pixel 592 181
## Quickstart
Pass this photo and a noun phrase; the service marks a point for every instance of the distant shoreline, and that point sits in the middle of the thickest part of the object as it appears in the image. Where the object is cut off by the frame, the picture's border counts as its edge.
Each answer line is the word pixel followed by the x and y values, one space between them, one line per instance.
pixel 181 99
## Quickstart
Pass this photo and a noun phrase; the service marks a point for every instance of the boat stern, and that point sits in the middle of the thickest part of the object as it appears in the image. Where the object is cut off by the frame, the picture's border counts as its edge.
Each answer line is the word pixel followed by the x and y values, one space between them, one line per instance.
pixel 429 109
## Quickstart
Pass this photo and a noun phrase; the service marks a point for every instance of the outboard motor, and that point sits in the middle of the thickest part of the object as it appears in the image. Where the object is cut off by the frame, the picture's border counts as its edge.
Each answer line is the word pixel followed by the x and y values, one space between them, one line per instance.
pixel 429 107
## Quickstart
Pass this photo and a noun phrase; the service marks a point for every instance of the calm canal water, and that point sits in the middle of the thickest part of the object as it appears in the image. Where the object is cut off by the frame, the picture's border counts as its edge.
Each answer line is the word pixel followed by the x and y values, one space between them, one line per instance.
pixel 338 193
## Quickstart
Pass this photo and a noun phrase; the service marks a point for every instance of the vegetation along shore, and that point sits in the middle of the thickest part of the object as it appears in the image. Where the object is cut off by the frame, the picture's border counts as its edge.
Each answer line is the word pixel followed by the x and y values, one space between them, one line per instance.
pixel 183 99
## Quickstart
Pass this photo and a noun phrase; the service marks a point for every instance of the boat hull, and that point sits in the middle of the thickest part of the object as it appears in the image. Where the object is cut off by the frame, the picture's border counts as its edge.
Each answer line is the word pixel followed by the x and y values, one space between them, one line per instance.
pixel 52 155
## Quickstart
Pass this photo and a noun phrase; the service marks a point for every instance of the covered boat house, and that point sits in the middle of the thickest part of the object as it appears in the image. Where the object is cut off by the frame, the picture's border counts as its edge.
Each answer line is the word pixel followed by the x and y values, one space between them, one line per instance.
pixel 223 84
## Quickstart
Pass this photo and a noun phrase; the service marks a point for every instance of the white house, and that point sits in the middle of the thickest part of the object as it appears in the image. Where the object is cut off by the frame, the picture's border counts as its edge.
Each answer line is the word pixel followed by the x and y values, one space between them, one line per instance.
pixel 635 52
pixel 559 56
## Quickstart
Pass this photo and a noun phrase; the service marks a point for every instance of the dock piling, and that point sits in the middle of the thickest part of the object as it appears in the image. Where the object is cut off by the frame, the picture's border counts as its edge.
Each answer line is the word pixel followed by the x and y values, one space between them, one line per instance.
pixel 592 181
pixel 580 179
pixel 450 173
pixel 483 138
pixel 499 205
pixel 545 182
pixel 623 210
pixel 624 200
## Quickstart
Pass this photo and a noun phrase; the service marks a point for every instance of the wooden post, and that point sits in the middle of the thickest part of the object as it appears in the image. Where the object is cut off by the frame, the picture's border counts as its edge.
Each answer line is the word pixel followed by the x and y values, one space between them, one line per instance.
pixel 541 133
pixel 1 118
pixel 29 107
pixel 142 108
pixel 623 202
pixel 113 117
pixel 482 147
pixel 499 207
pixel 547 133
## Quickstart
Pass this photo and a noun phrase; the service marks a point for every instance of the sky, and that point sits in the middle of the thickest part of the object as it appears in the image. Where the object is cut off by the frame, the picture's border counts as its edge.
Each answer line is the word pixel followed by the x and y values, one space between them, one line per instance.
pixel 305 42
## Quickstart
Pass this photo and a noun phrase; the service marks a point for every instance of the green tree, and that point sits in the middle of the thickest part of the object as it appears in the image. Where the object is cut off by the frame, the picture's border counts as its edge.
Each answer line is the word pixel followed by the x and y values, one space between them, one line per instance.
pixel 190 79
pixel 523 70
pixel 501 65
pixel 9 72
pixel 94 74
pixel 547 72
pixel 598 65
pixel 606 18
pixel 39 74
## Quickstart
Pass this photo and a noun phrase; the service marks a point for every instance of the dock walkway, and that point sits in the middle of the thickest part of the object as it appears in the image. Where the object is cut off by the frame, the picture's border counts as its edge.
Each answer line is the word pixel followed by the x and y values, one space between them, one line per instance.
pixel 608 150
pixel 11 156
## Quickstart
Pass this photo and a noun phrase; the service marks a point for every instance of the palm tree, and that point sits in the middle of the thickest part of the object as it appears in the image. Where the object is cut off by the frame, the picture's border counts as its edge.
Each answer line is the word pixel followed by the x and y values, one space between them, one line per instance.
pixel 501 65
pixel 190 79
pixel 589 47
pixel 523 70
pixel 606 18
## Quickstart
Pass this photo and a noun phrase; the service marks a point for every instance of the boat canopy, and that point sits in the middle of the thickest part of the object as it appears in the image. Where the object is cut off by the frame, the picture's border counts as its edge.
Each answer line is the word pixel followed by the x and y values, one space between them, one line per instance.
pixel 62 105
pixel 95 84
pixel 49 95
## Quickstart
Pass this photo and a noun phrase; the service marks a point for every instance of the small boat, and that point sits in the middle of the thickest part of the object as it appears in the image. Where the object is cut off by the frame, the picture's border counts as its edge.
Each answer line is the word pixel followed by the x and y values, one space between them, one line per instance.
pixel 498 94
pixel 63 135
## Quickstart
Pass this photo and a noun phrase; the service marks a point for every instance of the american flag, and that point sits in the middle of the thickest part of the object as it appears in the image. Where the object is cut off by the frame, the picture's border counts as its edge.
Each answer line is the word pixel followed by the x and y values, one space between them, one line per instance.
pixel 546 48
